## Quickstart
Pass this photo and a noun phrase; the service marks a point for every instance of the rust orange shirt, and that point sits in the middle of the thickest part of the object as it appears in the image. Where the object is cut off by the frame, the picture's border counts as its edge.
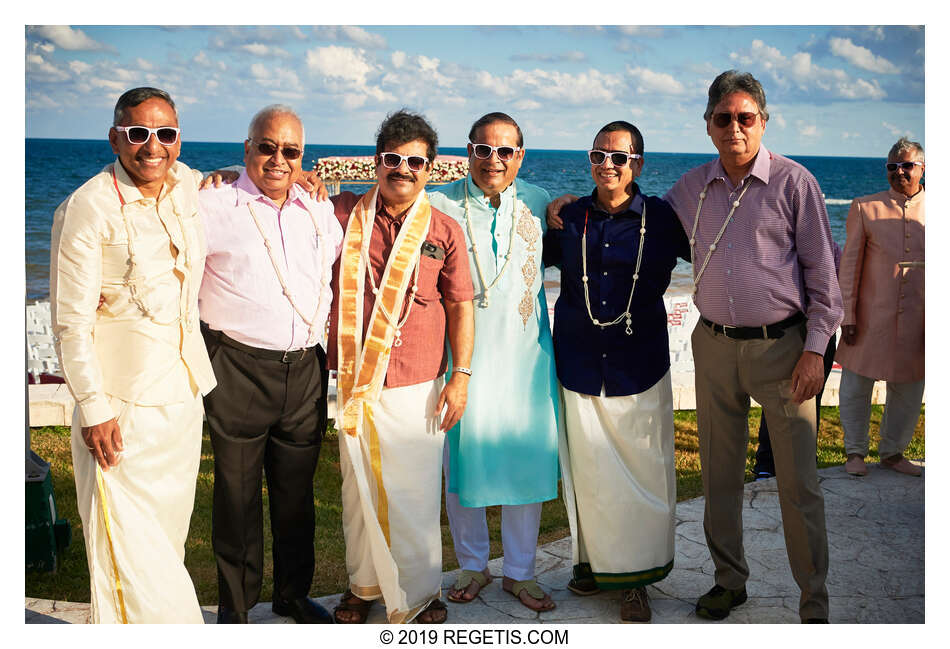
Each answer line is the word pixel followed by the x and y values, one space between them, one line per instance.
pixel 422 355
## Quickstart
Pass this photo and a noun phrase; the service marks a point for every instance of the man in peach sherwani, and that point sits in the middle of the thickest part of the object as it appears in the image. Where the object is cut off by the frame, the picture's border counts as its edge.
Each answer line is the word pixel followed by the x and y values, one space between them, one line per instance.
pixel 882 284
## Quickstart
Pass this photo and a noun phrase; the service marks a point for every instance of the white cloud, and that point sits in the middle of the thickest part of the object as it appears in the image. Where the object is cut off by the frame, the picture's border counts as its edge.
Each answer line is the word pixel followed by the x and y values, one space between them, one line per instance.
pixel 66 38
pixel 39 69
pixel 398 58
pixel 350 33
pixel 143 64
pixel 876 32
pixel 861 89
pixel 807 130
pixel 259 49
pixel 897 130
pixel 40 100
pixel 845 135
pixel 777 119
pixel 591 87
pixel 861 57
pixel 527 104
pixel 336 62
pixel 79 67
pixel 649 82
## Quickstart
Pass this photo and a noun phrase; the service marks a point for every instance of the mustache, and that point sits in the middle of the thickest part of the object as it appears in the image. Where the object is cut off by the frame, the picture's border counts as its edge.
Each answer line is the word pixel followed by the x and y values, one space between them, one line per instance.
pixel 395 175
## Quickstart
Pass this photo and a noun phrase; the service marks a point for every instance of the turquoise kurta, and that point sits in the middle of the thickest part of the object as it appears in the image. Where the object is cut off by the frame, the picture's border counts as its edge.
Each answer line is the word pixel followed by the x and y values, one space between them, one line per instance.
pixel 504 449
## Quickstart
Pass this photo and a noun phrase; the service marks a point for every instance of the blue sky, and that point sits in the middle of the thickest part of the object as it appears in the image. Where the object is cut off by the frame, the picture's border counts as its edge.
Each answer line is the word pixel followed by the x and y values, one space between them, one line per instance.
pixel 838 90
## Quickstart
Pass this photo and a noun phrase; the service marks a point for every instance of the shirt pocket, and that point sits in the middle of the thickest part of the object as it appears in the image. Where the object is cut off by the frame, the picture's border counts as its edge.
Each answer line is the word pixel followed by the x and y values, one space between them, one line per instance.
pixel 428 283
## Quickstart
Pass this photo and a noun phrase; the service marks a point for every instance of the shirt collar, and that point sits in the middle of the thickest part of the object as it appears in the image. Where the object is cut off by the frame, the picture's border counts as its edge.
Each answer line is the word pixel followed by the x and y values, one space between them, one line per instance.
pixel 761 167
pixel 247 192
pixel 130 191
pixel 478 194
pixel 902 198
pixel 636 205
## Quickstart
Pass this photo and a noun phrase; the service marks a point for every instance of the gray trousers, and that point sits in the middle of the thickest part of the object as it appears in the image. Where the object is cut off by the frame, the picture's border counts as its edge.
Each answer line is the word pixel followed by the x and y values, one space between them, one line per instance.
pixel 901 410
pixel 728 372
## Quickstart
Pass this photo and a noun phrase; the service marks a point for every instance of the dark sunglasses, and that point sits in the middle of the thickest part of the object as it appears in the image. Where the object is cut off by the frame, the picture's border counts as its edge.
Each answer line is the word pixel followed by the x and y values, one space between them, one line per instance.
pixel 906 166
pixel 268 149
pixel 618 158
pixel 723 120
pixel 166 135
pixel 484 151
pixel 394 160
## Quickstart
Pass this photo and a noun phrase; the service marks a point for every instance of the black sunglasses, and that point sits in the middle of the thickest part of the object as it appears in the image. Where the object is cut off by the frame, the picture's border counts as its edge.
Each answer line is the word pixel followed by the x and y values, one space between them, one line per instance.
pixel 268 149
pixel 723 120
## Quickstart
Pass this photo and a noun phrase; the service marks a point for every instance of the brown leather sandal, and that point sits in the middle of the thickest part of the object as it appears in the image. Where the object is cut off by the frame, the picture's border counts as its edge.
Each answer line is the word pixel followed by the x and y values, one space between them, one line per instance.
pixel 352 603
pixel 435 613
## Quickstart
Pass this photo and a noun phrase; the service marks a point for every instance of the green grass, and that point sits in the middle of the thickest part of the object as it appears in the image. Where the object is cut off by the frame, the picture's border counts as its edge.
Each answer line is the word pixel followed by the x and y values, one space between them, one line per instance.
pixel 71 581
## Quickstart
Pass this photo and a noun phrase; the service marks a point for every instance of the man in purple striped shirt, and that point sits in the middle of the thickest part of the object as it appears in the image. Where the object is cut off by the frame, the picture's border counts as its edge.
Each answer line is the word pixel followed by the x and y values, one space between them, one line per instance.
pixel 765 286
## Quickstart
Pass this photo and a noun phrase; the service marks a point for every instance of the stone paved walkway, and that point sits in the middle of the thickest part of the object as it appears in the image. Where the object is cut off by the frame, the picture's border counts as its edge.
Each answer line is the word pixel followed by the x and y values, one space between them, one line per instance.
pixel 876 544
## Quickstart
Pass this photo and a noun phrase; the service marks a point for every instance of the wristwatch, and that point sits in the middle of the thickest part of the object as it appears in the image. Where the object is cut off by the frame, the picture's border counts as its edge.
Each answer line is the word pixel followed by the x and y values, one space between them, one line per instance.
pixel 463 370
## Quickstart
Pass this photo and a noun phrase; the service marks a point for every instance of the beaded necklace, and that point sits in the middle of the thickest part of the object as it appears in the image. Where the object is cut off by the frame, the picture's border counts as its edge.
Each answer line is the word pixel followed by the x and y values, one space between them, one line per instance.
pixel 325 281
pixel 624 317
pixel 483 303
pixel 132 279
pixel 712 247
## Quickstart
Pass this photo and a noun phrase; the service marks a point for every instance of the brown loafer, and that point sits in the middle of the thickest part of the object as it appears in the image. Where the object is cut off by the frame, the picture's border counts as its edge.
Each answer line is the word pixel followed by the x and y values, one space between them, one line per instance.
pixel 635 606
pixel 855 465
pixel 900 464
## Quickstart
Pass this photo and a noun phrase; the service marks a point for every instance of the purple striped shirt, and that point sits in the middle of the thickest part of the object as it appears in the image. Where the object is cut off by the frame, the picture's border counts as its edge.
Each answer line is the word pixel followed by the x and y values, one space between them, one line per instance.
pixel 775 257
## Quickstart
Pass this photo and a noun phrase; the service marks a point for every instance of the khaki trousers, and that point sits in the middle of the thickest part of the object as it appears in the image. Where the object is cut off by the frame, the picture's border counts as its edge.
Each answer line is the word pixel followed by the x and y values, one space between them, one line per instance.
pixel 901 411
pixel 728 372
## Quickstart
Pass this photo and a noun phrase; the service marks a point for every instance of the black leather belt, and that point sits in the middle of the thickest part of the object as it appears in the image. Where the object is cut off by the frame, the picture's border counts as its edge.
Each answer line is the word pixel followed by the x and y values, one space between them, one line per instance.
pixel 266 354
pixel 776 330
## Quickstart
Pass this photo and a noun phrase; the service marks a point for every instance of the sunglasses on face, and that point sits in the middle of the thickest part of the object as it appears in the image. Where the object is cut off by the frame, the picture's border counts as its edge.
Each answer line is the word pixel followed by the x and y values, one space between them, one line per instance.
pixel 906 166
pixel 484 151
pixel 392 160
pixel 618 158
pixel 268 149
pixel 723 120
pixel 166 135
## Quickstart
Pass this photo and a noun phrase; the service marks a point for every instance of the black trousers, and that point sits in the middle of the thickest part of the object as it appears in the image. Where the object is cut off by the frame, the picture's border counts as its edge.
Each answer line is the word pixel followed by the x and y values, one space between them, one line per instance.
pixel 764 461
pixel 265 415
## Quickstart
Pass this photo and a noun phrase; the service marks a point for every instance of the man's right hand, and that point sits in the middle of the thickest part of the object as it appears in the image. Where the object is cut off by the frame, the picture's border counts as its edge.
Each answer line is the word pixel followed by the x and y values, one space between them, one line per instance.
pixel 849 334
pixel 554 210
pixel 312 183
pixel 104 441
pixel 218 176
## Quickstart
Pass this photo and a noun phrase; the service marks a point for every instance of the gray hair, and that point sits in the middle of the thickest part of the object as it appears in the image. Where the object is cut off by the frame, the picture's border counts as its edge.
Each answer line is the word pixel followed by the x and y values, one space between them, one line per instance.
pixel 732 81
pixel 267 112
pixel 134 97
pixel 903 145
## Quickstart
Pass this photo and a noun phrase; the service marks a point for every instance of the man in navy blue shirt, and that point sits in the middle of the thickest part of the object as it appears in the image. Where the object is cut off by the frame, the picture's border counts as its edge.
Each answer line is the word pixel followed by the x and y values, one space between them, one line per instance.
pixel 616 251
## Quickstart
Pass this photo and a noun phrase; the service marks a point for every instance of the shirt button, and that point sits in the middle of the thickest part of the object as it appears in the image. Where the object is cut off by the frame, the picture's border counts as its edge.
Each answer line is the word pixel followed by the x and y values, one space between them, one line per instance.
pixel 606 245
pixel 900 310
pixel 906 249
pixel 605 273
pixel 907 236
pixel 730 300
pixel 604 302
pixel 728 271
pixel 603 355
pixel 729 246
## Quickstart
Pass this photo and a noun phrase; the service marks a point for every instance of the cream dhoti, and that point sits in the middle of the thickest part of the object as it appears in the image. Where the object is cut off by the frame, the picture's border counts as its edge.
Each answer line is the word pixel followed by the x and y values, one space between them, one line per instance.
pixel 391 501
pixel 135 516
pixel 619 484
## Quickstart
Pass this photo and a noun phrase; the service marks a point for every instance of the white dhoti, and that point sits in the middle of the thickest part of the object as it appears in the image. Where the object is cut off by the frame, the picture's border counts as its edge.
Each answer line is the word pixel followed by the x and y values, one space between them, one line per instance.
pixel 619 484
pixel 135 516
pixel 393 537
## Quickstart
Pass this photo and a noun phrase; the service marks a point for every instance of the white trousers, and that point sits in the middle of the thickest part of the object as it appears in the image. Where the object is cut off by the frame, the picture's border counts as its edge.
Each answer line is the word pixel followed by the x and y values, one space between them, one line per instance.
pixel 519 533
pixel 135 516
pixel 901 410
pixel 391 501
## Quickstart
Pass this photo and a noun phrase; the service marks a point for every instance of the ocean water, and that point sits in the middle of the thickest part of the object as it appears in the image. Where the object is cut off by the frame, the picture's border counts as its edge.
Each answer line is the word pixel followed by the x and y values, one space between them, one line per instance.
pixel 54 168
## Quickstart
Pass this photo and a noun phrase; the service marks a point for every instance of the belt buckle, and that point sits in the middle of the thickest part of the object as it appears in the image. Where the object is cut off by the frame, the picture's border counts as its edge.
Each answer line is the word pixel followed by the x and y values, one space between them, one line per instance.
pixel 725 331
pixel 293 355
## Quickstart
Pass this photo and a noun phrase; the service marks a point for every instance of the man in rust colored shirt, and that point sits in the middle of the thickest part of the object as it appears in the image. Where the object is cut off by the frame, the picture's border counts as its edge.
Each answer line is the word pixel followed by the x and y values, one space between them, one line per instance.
pixel 402 287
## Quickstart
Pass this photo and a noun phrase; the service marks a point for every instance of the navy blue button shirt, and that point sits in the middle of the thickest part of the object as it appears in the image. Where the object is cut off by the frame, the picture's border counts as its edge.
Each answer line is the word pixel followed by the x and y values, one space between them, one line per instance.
pixel 589 356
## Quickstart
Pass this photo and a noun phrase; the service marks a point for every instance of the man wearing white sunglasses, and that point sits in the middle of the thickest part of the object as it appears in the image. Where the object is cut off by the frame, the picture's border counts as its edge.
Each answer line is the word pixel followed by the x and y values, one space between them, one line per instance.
pixel 504 449
pixel 403 287
pixel 136 366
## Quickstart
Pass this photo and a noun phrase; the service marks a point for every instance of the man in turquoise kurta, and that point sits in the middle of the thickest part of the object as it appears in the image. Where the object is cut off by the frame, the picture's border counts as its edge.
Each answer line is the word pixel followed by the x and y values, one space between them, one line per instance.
pixel 504 449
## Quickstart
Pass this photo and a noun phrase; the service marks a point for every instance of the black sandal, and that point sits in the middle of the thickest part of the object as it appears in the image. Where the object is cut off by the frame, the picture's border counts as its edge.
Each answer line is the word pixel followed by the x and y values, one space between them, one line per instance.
pixel 583 582
pixel 350 602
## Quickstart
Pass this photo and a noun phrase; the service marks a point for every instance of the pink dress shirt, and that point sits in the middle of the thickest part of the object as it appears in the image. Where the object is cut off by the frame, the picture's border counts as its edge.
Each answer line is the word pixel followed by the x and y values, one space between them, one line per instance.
pixel 775 257
pixel 240 293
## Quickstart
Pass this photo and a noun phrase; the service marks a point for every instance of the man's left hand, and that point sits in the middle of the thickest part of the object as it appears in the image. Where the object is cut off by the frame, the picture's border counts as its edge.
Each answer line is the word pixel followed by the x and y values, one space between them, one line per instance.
pixel 218 176
pixel 454 397
pixel 807 377
pixel 312 183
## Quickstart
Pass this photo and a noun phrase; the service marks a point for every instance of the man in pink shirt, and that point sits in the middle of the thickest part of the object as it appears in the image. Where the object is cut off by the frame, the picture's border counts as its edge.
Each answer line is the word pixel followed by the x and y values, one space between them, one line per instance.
pixel 264 302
